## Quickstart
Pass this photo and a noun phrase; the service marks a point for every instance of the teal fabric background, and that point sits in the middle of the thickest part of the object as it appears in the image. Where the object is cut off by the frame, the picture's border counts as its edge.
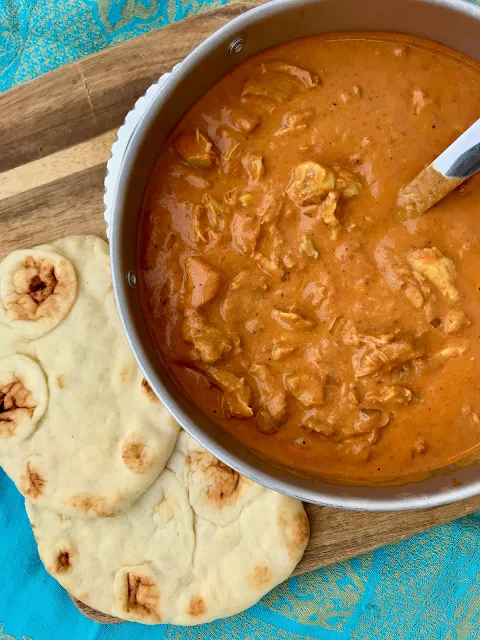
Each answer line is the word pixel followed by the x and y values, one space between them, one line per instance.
pixel 425 588
pixel 37 36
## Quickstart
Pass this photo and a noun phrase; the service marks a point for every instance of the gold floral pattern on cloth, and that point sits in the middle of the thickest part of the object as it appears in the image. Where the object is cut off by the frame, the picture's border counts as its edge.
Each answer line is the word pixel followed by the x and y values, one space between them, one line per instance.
pixel 7 636
pixel 117 15
pixel 37 36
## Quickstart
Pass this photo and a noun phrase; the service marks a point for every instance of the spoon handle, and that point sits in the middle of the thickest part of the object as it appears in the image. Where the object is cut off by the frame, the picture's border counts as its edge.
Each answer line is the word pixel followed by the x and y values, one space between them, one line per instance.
pixel 462 158
pixel 457 163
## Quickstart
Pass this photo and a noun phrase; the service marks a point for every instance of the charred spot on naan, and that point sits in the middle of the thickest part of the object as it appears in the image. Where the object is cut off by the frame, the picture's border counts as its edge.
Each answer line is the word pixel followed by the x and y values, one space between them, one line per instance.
pixel 63 561
pixel 37 290
pixel 137 455
pixel 261 577
pixel 138 595
pixel 35 281
pixel 61 381
pixel 148 391
pixel 90 505
pixel 196 607
pixel 32 482
pixel 23 395
pixel 15 405
pixel 223 486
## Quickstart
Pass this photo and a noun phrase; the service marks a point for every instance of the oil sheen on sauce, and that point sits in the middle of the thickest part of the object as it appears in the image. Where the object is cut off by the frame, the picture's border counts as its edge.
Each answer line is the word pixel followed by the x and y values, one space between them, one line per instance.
pixel 282 294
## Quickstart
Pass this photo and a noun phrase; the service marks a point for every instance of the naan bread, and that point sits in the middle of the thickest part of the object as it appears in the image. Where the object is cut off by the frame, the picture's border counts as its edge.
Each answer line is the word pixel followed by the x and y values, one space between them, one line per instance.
pixel 23 396
pixel 81 432
pixel 37 290
pixel 202 543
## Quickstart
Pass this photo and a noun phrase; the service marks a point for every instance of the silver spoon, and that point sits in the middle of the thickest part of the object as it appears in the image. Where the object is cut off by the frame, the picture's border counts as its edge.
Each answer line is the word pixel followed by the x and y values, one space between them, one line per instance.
pixel 457 163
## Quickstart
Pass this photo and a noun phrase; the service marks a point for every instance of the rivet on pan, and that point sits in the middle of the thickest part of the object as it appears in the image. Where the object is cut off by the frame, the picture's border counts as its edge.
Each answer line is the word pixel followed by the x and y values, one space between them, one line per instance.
pixel 131 279
pixel 236 45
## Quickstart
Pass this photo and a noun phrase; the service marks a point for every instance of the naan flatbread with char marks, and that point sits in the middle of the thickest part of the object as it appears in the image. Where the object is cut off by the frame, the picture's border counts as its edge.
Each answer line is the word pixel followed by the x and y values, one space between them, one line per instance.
pixel 202 543
pixel 81 432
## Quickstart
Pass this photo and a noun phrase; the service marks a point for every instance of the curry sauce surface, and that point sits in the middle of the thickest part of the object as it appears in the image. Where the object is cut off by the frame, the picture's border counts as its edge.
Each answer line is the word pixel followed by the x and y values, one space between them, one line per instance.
pixel 282 294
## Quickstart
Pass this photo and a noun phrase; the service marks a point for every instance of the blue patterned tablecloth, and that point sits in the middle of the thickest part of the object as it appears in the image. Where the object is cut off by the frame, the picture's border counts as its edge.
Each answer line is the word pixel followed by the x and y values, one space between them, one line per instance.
pixel 425 588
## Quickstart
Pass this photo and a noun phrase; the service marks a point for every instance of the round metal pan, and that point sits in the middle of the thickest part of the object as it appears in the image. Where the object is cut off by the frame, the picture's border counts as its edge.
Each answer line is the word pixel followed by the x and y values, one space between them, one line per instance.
pixel 455 23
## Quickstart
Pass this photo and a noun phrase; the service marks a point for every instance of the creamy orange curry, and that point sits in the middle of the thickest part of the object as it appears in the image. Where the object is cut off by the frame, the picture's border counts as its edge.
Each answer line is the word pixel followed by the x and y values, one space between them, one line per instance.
pixel 284 297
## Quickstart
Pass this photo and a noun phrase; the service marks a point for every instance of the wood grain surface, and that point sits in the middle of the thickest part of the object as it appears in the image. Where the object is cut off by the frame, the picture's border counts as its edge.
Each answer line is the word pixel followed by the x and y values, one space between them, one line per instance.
pixel 56 131
pixel 55 138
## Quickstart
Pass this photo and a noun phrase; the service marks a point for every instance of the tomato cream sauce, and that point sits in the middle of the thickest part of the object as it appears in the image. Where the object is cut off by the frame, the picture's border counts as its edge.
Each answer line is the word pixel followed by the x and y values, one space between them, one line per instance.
pixel 283 295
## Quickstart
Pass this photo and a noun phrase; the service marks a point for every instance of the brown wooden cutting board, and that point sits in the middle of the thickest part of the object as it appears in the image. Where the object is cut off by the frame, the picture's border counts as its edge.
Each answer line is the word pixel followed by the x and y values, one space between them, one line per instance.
pixel 55 138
